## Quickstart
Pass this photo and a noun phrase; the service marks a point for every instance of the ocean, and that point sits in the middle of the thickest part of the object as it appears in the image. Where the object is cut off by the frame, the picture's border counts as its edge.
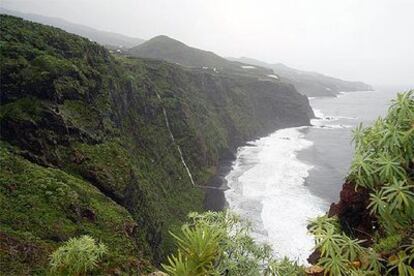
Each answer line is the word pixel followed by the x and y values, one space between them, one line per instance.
pixel 281 181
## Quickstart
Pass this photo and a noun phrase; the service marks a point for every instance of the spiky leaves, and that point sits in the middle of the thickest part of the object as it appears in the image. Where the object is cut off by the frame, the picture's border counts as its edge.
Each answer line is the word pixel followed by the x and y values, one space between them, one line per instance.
pixel 198 249
pixel 220 244
pixel 383 164
pixel 77 256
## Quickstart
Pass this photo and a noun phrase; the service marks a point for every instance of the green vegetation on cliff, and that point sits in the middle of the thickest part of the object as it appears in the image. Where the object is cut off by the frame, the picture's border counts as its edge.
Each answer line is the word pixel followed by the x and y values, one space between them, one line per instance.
pixel 86 151
pixel 369 232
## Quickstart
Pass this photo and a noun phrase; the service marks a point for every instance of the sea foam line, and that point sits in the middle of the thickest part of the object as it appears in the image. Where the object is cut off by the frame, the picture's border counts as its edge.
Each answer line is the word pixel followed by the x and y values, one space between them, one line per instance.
pixel 267 186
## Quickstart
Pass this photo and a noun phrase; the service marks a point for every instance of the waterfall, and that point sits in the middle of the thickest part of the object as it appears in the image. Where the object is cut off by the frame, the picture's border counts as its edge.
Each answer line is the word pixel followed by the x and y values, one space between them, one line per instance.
pixel 180 152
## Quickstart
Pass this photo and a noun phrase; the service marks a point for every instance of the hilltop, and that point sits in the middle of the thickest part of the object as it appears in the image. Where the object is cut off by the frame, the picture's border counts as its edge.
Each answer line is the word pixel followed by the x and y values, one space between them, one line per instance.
pixel 168 49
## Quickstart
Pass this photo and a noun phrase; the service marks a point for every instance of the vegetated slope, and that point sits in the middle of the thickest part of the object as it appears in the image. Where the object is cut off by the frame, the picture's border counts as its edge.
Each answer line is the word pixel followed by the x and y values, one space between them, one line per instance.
pixel 369 232
pixel 85 148
pixel 168 49
pixel 101 37
pixel 309 83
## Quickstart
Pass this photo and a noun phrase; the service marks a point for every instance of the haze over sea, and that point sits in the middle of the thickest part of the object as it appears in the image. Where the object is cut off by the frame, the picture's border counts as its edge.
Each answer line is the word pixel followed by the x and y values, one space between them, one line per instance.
pixel 281 181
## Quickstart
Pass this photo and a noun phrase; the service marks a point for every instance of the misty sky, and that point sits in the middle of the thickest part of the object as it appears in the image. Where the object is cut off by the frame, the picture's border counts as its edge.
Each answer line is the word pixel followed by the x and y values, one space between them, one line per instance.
pixel 367 40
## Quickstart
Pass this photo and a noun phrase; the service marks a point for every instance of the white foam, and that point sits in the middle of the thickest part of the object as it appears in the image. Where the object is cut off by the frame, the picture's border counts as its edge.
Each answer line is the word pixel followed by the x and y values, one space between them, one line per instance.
pixel 267 187
pixel 247 67
pixel 323 121
pixel 273 76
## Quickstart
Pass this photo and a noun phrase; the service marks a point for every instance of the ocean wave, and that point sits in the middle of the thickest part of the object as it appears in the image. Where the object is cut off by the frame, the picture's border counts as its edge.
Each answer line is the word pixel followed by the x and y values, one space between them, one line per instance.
pixel 267 186
pixel 323 121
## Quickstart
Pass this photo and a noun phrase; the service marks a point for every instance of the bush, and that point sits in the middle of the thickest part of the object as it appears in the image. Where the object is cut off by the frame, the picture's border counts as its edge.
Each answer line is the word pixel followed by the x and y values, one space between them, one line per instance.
pixel 383 164
pixel 77 256
pixel 220 244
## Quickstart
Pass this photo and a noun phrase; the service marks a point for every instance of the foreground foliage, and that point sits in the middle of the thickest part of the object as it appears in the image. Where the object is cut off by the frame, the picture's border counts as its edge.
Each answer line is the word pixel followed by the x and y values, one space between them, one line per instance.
pixel 77 256
pixel 220 244
pixel 383 164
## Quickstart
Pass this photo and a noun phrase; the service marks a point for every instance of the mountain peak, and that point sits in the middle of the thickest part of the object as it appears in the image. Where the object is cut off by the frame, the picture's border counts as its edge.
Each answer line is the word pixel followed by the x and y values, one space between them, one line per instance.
pixel 169 49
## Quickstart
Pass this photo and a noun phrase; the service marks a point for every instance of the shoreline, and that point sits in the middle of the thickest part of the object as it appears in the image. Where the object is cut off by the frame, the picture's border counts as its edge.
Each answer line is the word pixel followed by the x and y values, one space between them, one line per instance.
pixel 214 199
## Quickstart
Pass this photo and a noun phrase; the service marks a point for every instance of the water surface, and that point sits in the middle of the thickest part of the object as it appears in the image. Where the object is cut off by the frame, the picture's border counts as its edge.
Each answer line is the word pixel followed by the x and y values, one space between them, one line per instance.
pixel 281 181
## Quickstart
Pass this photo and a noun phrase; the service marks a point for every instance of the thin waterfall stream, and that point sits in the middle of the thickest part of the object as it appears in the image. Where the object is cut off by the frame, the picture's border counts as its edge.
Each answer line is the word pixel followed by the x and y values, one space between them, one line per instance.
pixel 180 152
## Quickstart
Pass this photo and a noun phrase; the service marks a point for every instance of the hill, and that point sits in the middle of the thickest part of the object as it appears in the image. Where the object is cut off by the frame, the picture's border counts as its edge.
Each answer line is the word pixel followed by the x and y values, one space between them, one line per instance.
pixel 102 37
pixel 114 147
pixel 309 83
pixel 168 49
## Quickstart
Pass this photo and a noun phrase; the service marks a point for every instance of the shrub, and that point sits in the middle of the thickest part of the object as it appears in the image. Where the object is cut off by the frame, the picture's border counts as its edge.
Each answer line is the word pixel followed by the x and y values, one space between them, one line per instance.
pixel 383 164
pixel 77 256
pixel 220 244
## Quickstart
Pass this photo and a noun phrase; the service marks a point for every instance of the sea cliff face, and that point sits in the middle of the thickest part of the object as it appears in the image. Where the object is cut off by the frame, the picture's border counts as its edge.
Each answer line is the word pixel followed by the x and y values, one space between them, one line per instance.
pixel 86 150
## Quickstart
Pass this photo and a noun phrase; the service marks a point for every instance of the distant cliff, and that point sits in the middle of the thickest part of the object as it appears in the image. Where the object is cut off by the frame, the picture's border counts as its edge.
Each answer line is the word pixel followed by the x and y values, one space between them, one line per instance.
pixel 309 83
pixel 89 144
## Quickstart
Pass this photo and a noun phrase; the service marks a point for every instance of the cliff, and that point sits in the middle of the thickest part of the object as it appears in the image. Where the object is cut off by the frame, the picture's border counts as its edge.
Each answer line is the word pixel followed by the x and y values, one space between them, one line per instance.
pixel 310 83
pixel 91 144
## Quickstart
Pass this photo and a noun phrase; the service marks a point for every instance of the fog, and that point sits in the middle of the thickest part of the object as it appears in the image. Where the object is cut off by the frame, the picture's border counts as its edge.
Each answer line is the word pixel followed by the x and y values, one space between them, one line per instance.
pixel 367 40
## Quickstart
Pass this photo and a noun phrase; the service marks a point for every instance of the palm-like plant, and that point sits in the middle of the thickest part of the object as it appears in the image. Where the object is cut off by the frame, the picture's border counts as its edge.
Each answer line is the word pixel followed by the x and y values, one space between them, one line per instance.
pixel 319 226
pixel 389 168
pixel 351 249
pixel 199 247
pixel 335 265
pixel 329 243
pixel 382 163
pixel 218 244
pixel 358 136
pixel 363 170
pixel 392 138
pixel 399 196
pixel 402 108
pixel 377 203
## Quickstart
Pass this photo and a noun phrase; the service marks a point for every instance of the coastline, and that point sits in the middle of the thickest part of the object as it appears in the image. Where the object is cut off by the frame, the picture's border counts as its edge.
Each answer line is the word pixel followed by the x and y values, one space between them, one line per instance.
pixel 286 237
pixel 214 198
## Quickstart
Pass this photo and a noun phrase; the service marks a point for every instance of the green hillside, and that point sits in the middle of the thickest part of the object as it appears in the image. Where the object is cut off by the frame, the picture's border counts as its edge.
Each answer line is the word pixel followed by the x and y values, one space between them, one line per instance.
pixel 86 149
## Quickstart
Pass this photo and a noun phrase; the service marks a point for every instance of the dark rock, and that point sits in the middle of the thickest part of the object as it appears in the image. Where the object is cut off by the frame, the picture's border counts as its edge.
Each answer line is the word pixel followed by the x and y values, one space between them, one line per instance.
pixel 314 257
pixel 352 212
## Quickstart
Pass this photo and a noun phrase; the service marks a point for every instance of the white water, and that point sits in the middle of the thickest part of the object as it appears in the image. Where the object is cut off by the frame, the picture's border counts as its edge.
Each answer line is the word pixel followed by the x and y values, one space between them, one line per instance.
pixel 267 186
pixel 267 182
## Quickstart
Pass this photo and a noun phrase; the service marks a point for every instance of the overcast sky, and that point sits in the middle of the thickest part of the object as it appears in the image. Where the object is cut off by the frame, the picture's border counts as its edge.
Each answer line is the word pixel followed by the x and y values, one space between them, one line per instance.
pixel 367 40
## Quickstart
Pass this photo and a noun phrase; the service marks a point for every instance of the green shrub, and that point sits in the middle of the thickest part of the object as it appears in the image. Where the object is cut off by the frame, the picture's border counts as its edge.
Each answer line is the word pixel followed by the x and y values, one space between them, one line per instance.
pixel 382 164
pixel 77 256
pixel 220 244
